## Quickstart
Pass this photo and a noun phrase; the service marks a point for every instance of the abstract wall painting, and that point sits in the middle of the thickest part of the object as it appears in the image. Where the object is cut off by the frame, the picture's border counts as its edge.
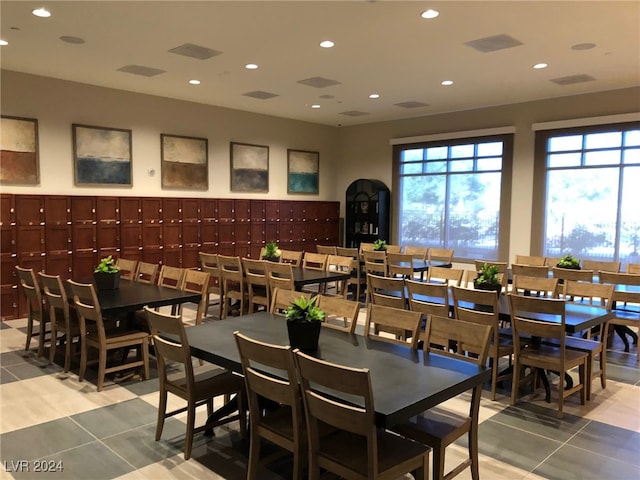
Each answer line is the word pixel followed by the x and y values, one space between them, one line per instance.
pixel 102 156
pixel 249 168
pixel 184 162
pixel 303 171
pixel 19 163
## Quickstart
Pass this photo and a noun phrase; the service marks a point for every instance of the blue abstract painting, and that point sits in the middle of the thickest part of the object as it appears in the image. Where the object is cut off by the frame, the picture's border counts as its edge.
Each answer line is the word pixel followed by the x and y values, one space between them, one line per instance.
pixel 303 168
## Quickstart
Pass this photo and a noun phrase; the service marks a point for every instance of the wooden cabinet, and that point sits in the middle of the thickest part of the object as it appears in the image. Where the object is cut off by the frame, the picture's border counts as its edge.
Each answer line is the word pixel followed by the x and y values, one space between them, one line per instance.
pixel 171 232
pixel 190 232
pixel 8 258
pixel 83 236
pixel 57 232
pixel 108 226
pixel 209 241
pixel 367 212
pixel 152 230
pixel 131 228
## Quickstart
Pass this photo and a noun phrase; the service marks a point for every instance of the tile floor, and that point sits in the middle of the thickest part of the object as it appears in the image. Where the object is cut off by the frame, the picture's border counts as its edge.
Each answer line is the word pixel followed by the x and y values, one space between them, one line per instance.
pixel 48 418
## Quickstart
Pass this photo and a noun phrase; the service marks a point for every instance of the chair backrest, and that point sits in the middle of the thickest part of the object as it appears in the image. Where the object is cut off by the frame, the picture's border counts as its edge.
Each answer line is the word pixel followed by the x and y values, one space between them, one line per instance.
pixel 340 309
pixel 292 257
pixel 622 294
pixel 633 268
pixel 477 306
pixel 598 294
pixel 365 247
pixel 327 249
pixel 502 269
pixel 444 255
pixel 337 263
pixel 402 323
pixel 258 359
pixel 171 344
pixel 88 308
pixel 552 261
pixel 255 271
pixel 455 338
pixel 598 266
pixel 394 248
pixel 538 286
pixel 280 275
pixel 171 277
pixel 449 276
pixel 428 298
pixel 315 261
pixel 282 298
pixel 31 290
pixel 387 291
pixel 418 253
pixel 526 319
pixel 541 271
pixel 146 272
pixel 56 294
pixel 209 264
pixel 128 268
pixel 347 252
pixel 394 267
pixel 571 274
pixel 529 260
pixel 197 281
pixel 375 262
pixel 230 269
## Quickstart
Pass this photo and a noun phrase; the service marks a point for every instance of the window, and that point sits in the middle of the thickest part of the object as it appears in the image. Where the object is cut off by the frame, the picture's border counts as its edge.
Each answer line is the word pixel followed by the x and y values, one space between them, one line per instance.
pixel 453 194
pixel 592 192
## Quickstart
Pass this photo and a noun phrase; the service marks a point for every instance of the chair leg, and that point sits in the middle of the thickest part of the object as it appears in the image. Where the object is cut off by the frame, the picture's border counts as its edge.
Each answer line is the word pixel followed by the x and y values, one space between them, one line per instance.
pixel 83 358
pixel 603 367
pixel 589 376
pixel 102 366
pixel 52 348
pixel 67 352
pixel 191 419
pixel 516 382
pixel 438 463
pixel 145 357
pixel 29 333
pixel 494 377
pixel 162 409
pixel 254 457
pixel 473 452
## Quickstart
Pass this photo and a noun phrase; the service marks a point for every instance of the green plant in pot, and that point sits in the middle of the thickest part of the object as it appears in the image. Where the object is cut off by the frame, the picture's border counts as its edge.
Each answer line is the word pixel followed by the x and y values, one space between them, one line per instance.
pixel 488 278
pixel 569 261
pixel 380 245
pixel 304 321
pixel 107 274
pixel 271 252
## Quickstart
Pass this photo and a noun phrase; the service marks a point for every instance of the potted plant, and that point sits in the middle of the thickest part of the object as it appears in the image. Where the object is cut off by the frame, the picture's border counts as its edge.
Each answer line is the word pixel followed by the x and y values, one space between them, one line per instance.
pixel 271 252
pixel 304 320
pixel 569 261
pixel 380 245
pixel 107 274
pixel 488 278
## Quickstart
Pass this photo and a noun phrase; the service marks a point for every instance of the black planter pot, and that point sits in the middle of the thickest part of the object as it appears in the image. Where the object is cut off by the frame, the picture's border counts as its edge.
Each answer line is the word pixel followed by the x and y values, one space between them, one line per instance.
pixel 272 259
pixel 492 287
pixel 106 281
pixel 304 335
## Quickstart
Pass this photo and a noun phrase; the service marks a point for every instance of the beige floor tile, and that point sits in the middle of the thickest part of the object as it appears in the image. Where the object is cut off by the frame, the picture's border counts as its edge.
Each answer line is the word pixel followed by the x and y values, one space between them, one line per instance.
pixel 488 467
pixel 12 340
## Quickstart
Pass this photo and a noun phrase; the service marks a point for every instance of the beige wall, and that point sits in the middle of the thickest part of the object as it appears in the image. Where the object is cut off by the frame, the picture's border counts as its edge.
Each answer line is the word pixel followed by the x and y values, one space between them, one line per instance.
pixel 346 153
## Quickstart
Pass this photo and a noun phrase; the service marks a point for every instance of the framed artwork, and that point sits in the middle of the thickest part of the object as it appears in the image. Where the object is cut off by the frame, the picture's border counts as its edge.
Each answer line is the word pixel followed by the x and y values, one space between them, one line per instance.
pixel 303 171
pixel 249 168
pixel 19 163
pixel 184 162
pixel 102 156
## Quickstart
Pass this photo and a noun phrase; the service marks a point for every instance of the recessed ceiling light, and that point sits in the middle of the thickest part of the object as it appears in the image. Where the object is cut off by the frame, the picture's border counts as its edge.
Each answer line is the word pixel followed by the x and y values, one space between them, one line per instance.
pixel 446 83
pixel 194 82
pixel 251 66
pixel 538 66
pixel 315 106
pixel 4 42
pixel 430 13
pixel 41 12
pixel 327 44
pixel 374 95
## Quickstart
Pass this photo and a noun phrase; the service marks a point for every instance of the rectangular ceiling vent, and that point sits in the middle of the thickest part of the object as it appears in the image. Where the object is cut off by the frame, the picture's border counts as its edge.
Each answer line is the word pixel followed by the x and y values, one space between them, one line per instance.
pixel 354 113
pixel 141 70
pixel 411 104
pixel 493 43
pixel 572 79
pixel 260 95
pixel 195 51
pixel 318 82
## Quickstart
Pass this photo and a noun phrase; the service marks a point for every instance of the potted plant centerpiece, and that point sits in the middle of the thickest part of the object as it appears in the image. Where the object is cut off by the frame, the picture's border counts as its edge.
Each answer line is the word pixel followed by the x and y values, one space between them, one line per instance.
pixel 107 274
pixel 488 279
pixel 569 261
pixel 271 252
pixel 380 245
pixel 304 320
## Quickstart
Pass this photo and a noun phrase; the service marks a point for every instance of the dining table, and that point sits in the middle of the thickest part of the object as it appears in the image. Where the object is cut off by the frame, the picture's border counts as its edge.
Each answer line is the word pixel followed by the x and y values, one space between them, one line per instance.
pixel 405 382
pixel 307 276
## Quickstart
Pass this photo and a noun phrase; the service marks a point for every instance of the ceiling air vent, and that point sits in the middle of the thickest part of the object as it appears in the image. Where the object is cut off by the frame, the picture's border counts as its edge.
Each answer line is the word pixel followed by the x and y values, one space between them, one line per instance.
pixel 354 113
pixel 260 95
pixel 195 51
pixel 491 44
pixel 141 70
pixel 571 79
pixel 411 104
pixel 318 82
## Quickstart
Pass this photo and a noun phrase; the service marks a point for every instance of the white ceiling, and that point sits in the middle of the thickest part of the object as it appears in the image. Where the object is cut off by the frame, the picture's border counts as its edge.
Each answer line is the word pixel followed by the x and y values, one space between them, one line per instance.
pixel 382 47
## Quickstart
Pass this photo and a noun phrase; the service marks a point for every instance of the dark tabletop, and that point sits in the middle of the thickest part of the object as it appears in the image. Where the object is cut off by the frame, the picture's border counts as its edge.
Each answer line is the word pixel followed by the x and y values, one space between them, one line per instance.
pixel 306 276
pixel 404 382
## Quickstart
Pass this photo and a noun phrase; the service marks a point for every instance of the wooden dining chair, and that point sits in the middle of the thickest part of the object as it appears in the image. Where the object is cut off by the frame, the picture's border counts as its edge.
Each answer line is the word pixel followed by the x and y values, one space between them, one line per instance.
pixel 530 260
pixel 255 271
pixel 233 283
pixel 283 423
pixel 358 449
pixel 633 268
pixel 339 309
pixel 539 355
pixel 315 261
pixel 386 291
pixel 280 275
pixel 598 294
pixel 146 273
pixel 365 247
pixel 36 314
pixel 93 334
pixel 598 266
pixel 197 386
pixel 336 263
pixel 128 268
pixel 394 248
pixel 625 306
pixel 439 427
pixel 418 253
pixel 448 276
pixel 428 299
pixel 65 325
pixel 196 281
pixel 541 271
pixel 375 263
pixel 480 306
pixel 402 325
pixel 171 277
pixel 327 249
pixel 399 265
pixel 209 264
pixel 444 255
pixel 357 278
pixel 291 256
pixel 537 286
pixel 552 261
pixel 281 299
